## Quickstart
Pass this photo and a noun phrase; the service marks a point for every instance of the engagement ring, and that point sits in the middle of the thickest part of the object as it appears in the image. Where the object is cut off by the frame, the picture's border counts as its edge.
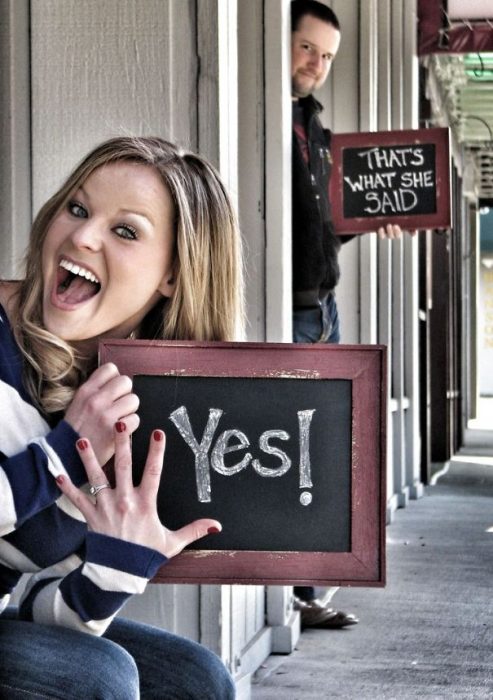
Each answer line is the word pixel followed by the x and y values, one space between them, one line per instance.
pixel 94 490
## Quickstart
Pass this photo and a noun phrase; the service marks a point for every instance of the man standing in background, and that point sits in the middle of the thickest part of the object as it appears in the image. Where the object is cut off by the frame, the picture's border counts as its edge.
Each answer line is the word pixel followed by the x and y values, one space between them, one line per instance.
pixel 315 40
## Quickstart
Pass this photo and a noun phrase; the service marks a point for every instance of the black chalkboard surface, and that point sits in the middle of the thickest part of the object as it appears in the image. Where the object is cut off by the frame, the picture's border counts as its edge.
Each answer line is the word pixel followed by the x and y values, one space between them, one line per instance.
pixel 283 444
pixel 400 177
pixel 273 488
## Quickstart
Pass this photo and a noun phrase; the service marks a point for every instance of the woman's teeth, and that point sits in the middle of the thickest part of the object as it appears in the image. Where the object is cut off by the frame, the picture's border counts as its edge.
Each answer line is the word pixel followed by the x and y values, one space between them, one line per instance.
pixel 78 270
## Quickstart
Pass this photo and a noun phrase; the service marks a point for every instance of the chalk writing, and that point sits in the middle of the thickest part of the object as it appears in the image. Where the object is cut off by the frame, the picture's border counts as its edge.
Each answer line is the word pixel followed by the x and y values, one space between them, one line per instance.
pixel 233 440
pixel 396 157
pixel 389 180
pixel 222 432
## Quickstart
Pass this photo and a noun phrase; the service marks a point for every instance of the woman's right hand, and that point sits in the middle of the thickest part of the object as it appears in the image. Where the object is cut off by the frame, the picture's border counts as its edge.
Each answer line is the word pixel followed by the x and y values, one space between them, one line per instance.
pixel 128 512
pixel 105 398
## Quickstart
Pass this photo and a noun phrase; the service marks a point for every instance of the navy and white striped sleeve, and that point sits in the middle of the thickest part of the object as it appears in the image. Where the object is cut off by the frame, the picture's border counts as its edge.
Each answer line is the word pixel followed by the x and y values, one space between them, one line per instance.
pixel 96 588
pixel 80 579
pixel 31 455
pixel 27 479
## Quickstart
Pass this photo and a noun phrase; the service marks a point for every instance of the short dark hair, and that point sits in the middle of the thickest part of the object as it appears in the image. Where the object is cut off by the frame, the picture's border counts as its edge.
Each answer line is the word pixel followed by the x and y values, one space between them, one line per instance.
pixel 300 8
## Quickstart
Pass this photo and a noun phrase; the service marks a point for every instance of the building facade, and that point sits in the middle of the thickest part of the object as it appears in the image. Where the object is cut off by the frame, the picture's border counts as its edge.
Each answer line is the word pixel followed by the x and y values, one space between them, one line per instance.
pixel 213 75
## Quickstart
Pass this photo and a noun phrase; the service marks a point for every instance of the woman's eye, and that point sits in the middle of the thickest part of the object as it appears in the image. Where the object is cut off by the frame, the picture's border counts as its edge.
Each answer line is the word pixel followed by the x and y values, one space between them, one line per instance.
pixel 76 209
pixel 126 231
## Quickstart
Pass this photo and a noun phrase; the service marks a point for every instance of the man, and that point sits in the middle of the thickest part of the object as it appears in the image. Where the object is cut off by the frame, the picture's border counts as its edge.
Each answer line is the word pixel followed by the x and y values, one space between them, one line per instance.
pixel 315 39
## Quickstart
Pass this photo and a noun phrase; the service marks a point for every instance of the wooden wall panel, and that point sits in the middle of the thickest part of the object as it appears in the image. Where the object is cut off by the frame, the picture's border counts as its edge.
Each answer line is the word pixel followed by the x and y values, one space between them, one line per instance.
pixel 251 161
pixel 15 145
pixel 103 69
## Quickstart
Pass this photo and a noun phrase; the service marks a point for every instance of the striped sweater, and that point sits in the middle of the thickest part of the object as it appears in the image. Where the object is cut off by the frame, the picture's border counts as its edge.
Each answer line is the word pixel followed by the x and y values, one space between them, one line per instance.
pixel 80 579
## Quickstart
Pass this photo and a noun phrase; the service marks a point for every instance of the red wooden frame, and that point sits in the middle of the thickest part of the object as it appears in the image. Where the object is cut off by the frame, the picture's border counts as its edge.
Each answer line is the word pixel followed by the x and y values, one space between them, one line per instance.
pixel 365 367
pixel 440 219
pixel 437 35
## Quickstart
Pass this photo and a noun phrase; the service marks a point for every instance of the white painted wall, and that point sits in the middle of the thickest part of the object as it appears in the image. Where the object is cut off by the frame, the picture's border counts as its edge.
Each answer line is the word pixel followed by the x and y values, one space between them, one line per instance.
pixel 278 144
pixel 251 161
pixel 108 68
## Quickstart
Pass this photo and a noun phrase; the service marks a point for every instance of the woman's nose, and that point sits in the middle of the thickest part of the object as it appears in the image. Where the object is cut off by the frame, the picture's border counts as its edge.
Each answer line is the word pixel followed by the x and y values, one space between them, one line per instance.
pixel 87 235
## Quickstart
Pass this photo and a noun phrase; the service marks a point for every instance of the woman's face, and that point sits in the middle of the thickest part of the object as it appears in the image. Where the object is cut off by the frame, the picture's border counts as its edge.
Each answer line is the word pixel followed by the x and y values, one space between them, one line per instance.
pixel 108 255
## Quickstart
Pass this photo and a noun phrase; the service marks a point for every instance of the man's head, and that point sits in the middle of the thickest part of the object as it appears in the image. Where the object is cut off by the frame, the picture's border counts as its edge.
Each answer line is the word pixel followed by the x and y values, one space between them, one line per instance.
pixel 315 39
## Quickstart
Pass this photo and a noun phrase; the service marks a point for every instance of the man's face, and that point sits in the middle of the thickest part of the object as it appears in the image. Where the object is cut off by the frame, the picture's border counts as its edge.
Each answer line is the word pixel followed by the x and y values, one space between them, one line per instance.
pixel 313 48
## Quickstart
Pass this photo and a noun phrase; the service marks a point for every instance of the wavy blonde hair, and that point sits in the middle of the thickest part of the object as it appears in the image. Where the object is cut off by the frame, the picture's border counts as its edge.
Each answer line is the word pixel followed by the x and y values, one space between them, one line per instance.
pixel 207 303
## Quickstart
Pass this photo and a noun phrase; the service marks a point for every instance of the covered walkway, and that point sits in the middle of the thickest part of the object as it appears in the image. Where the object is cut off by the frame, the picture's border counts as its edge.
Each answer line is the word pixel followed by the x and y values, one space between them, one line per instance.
pixel 429 632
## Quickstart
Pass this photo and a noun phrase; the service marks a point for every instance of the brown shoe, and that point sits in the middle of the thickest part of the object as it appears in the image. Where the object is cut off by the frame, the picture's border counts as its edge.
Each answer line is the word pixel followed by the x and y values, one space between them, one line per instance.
pixel 314 614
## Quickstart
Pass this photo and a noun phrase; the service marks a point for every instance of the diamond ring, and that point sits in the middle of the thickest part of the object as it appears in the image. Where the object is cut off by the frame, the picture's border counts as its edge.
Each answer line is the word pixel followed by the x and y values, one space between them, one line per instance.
pixel 94 490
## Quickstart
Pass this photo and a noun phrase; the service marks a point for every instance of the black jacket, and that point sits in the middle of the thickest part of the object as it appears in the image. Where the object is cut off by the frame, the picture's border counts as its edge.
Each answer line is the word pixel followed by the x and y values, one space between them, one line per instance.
pixel 315 246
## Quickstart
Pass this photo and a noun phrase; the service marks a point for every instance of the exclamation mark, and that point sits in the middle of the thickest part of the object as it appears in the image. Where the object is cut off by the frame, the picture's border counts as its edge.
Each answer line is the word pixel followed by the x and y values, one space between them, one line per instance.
pixel 304 421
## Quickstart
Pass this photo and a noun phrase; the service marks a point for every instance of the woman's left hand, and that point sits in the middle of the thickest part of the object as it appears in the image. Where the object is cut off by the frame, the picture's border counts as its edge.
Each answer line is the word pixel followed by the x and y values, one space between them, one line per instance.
pixel 129 512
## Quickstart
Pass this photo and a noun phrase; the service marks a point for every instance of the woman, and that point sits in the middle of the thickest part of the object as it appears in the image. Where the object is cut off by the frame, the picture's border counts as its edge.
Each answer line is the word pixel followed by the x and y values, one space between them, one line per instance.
pixel 141 241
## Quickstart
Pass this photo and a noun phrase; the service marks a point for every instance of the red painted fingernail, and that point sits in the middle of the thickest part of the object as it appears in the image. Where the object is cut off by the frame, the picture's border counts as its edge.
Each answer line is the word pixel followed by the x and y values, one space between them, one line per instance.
pixel 157 435
pixel 212 530
pixel 120 426
pixel 82 444
pixel 60 479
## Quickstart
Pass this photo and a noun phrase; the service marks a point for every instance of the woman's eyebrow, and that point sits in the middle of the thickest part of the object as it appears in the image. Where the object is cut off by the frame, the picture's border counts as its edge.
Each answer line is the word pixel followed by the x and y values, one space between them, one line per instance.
pixel 135 212
pixel 82 190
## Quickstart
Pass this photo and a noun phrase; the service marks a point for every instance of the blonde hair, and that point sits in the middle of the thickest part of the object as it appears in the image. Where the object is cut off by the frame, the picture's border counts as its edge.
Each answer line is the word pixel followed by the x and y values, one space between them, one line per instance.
pixel 207 303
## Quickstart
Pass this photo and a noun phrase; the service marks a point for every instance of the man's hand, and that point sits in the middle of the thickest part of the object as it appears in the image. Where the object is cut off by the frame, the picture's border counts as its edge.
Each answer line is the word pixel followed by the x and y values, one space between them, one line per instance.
pixel 393 231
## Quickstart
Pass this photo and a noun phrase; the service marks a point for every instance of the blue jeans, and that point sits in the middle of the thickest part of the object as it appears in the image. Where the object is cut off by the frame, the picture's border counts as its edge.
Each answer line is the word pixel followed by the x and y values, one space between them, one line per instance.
pixel 131 661
pixel 318 324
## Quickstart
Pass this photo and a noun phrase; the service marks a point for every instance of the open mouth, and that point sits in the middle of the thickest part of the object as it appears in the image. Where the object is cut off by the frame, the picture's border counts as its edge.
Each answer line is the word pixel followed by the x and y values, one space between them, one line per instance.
pixel 75 284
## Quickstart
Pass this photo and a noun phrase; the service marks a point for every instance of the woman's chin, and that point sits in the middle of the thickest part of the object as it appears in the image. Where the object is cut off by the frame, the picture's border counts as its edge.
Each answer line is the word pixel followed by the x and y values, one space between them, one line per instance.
pixel 74 337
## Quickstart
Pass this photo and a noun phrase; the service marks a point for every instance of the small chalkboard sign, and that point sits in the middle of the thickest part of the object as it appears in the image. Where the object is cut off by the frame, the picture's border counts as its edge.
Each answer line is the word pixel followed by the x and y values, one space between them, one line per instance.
pixel 283 444
pixel 400 177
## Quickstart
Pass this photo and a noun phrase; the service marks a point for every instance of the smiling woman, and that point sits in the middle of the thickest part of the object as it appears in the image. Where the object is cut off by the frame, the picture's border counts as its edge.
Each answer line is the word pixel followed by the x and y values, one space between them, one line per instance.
pixel 200 299
pixel 141 240
pixel 115 227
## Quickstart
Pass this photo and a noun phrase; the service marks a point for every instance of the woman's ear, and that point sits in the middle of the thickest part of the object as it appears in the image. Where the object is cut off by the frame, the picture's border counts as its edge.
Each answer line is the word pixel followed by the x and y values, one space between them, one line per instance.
pixel 168 283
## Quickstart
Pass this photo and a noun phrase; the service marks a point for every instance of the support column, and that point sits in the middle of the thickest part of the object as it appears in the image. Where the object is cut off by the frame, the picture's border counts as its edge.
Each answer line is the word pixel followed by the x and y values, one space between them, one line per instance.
pixel 15 135
pixel 278 140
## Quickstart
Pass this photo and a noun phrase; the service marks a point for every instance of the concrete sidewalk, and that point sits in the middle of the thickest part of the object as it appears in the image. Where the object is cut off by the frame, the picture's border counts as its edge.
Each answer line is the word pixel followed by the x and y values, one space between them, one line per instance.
pixel 429 632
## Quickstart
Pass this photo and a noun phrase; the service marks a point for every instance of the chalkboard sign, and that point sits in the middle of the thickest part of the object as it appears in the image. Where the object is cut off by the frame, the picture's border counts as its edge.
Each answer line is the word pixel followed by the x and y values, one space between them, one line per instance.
pixel 283 444
pixel 400 177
